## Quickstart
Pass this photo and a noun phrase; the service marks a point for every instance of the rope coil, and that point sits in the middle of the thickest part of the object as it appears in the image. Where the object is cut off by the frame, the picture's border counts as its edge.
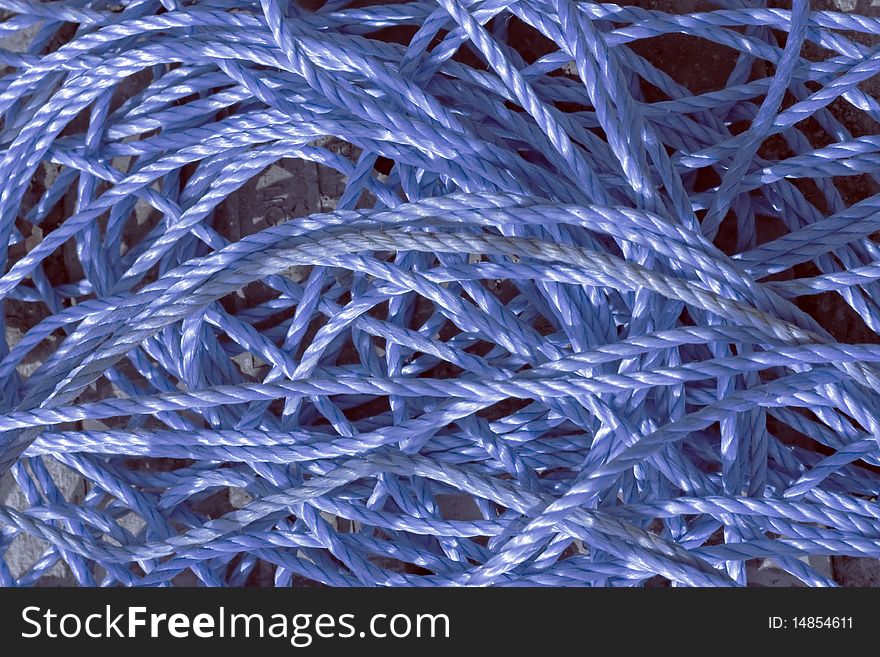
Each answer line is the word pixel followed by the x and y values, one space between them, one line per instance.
pixel 566 322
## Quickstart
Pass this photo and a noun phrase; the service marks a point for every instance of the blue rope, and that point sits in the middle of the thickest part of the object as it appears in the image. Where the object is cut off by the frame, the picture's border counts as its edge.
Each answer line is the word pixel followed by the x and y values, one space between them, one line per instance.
pixel 588 327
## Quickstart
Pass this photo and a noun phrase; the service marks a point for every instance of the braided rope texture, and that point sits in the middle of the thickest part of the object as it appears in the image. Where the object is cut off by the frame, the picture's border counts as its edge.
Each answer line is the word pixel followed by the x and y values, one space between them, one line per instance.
pixel 568 321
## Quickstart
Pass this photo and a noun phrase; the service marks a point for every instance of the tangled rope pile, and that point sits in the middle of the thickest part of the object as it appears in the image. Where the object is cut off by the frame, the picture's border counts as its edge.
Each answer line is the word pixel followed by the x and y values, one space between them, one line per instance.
pixel 554 331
